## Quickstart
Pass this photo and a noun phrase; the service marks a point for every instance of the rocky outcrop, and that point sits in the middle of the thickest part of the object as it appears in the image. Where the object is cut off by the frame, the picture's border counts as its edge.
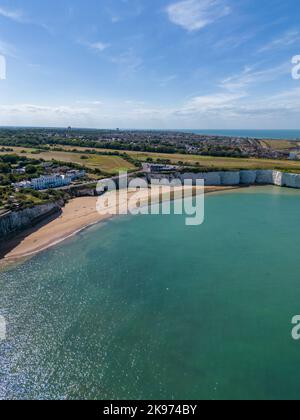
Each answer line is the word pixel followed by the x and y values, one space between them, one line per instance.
pixel 15 221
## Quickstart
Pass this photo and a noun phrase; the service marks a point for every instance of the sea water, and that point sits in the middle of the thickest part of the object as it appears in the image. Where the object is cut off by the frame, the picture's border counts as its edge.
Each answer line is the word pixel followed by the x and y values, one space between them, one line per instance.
pixel 144 307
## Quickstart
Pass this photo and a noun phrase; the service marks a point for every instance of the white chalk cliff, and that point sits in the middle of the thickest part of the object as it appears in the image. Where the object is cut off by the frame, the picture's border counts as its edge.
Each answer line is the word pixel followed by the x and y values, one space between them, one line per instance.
pixel 244 177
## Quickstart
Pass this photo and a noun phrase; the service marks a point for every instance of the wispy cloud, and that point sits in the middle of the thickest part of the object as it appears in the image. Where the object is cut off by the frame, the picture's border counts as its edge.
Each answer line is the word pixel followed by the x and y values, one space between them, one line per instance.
pixel 129 62
pixel 231 108
pixel 288 38
pixel 99 46
pixel 233 97
pixel 7 49
pixel 115 19
pixel 19 16
pixel 165 81
pixel 214 103
pixel 89 102
pixel 96 46
pixel 251 77
pixel 28 114
pixel 16 15
pixel 193 15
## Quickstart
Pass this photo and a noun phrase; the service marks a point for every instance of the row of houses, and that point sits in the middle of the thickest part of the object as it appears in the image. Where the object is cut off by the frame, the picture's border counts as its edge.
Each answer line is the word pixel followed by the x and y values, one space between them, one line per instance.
pixel 51 181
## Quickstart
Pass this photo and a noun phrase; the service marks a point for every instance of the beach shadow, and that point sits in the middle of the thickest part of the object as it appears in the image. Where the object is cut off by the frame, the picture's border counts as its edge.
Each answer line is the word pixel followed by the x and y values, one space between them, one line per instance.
pixel 12 241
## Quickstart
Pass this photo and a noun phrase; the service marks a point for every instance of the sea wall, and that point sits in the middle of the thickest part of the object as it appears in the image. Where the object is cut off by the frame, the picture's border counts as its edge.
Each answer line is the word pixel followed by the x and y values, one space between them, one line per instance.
pixel 15 221
pixel 244 177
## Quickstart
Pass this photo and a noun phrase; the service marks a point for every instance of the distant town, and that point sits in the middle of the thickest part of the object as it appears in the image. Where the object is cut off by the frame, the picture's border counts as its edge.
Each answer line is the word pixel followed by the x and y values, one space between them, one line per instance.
pixel 151 141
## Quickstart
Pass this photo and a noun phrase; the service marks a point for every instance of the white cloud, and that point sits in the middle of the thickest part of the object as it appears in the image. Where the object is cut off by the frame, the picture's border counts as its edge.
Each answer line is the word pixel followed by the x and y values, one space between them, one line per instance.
pixel 98 46
pixel 210 111
pixel 234 99
pixel 193 15
pixel 41 109
pixel 16 15
pixel 129 62
pixel 32 114
pixel 115 19
pixel 231 105
pixel 93 103
pixel 19 16
pixel 250 77
pixel 7 49
pixel 164 81
pixel 287 39
pixel 213 102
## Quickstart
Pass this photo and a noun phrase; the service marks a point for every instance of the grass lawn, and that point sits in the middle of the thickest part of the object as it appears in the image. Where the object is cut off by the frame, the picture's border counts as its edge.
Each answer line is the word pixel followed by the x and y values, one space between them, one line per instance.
pixel 280 144
pixel 113 164
pixel 210 162
pixel 109 164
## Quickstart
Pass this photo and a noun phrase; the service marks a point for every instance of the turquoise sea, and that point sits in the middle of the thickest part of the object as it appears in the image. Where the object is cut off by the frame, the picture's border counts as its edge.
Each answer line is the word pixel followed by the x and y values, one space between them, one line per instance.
pixel 146 308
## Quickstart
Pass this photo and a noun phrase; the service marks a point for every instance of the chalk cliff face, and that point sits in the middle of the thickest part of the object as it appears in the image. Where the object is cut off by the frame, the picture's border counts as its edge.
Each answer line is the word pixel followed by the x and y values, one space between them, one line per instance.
pixel 260 177
pixel 248 177
pixel 230 178
pixel 210 178
pixel 264 177
pixel 13 222
pixel 290 180
pixel 278 178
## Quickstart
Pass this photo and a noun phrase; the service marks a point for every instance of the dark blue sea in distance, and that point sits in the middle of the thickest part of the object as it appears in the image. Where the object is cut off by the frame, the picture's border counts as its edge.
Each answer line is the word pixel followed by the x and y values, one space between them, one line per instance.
pixel 259 134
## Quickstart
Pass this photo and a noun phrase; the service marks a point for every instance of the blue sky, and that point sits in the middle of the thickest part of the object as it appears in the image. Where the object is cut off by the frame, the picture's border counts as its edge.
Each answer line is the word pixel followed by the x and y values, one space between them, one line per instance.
pixel 150 63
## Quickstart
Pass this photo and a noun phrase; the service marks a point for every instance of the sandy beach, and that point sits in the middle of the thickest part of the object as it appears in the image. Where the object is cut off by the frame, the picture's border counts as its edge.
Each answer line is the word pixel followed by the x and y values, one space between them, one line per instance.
pixel 78 214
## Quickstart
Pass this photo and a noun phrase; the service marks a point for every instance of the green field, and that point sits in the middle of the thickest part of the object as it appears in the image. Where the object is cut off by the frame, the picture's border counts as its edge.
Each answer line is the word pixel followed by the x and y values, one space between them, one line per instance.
pixel 210 162
pixel 112 164
pixel 280 144
pixel 109 164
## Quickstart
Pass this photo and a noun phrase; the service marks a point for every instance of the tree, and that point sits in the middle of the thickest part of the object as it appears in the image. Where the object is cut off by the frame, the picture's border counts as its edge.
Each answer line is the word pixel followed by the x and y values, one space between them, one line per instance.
pixel 30 169
pixel 4 168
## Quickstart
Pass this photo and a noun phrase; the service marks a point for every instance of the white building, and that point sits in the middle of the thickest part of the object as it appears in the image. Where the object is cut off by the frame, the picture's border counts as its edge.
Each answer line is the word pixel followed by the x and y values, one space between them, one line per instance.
pixel 156 168
pixel 19 171
pixel 52 181
pixel 294 156
pixel 45 182
pixel 23 184
pixel 75 174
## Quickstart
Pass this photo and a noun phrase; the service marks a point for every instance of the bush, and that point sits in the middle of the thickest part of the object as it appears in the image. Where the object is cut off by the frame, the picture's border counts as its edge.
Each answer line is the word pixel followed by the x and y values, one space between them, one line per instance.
pixel 30 169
